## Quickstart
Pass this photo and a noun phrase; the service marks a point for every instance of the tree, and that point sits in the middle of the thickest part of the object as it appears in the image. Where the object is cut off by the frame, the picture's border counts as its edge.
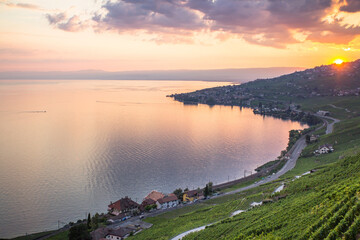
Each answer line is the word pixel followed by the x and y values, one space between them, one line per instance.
pixel 179 193
pixel 79 232
pixel 210 187
pixel 95 221
pixel 88 221
pixel 307 138
pixel 206 191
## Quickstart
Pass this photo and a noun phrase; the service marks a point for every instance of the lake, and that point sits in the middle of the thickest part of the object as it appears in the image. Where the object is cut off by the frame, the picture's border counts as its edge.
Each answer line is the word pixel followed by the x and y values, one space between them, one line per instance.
pixel 68 148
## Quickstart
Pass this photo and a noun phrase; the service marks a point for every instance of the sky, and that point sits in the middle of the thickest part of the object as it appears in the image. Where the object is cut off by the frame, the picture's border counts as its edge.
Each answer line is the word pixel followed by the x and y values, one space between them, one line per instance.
pixel 128 35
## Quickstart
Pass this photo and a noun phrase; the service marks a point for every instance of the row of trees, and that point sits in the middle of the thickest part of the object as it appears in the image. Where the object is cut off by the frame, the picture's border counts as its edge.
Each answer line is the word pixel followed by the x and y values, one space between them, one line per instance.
pixel 208 190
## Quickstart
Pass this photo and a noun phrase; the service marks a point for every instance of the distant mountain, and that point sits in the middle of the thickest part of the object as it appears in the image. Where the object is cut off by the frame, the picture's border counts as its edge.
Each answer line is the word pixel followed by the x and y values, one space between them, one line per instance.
pixel 239 75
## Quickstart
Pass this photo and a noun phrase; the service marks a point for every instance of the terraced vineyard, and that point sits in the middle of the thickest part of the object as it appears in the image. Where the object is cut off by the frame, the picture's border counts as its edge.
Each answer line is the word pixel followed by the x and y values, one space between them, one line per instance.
pixel 323 205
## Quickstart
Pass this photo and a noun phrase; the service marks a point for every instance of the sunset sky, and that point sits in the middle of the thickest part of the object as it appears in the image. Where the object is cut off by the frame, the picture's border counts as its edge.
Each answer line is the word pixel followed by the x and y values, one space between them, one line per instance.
pixel 117 35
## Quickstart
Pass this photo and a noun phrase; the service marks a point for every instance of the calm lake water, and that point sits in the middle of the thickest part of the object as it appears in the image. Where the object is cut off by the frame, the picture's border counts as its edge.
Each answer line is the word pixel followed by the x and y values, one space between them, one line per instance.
pixel 70 147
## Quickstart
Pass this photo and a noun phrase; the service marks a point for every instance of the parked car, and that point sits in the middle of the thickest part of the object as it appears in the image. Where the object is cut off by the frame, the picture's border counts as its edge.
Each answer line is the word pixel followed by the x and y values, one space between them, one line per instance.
pixel 141 216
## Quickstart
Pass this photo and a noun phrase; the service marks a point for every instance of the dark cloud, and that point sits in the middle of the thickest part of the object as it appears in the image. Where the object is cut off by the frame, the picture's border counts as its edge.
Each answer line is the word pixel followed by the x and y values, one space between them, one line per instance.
pixel 352 6
pixel 150 15
pixel 265 22
pixel 298 13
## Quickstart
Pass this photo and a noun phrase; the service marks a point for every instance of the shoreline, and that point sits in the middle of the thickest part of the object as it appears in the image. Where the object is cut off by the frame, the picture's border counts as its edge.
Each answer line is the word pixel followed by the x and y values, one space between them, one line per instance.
pixel 220 186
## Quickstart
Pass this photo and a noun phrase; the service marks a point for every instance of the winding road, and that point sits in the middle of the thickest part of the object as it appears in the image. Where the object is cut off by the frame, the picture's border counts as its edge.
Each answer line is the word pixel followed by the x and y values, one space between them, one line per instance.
pixel 295 152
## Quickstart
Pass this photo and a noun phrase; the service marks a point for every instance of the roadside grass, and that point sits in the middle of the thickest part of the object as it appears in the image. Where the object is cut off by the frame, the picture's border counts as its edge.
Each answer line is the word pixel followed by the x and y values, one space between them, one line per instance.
pixel 184 210
pixel 33 236
pixel 60 236
pixel 321 131
pixel 239 185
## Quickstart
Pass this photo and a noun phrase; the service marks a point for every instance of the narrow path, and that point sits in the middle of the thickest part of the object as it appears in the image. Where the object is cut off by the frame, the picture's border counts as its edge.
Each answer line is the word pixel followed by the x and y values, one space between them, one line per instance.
pixel 180 236
pixel 332 105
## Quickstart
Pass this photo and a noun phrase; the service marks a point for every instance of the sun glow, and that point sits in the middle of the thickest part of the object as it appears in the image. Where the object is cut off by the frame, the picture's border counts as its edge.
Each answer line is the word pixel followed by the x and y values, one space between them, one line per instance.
pixel 338 61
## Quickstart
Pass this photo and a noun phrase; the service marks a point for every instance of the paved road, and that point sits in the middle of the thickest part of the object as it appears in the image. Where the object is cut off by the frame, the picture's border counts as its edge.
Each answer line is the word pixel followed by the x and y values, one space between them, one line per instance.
pixel 330 126
pixel 290 164
pixel 294 155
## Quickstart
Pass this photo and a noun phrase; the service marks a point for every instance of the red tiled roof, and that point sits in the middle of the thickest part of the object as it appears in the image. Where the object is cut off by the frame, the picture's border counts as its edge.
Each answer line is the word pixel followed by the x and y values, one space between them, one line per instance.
pixel 123 204
pixel 148 201
pixel 169 198
pixel 155 195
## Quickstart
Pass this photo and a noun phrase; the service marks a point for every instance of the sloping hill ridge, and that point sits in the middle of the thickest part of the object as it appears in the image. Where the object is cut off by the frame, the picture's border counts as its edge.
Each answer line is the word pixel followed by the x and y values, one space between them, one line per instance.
pixel 324 81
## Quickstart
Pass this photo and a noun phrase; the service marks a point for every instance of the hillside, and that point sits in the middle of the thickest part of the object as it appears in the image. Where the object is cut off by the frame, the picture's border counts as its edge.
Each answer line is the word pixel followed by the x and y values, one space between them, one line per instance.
pixel 323 205
pixel 282 92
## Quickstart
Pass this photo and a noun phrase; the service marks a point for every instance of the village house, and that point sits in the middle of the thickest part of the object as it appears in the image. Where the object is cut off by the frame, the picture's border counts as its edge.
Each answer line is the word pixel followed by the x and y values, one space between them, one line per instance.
pixel 190 196
pixel 111 234
pixel 327 148
pixel 124 206
pixel 313 138
pixel 168 201
pixel 147 202
pixel 154 195
pixel 323 113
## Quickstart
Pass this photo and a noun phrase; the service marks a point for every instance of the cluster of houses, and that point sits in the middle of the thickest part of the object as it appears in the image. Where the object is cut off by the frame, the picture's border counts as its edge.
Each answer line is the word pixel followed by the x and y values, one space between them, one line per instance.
pixel 126 207
pixel 327 148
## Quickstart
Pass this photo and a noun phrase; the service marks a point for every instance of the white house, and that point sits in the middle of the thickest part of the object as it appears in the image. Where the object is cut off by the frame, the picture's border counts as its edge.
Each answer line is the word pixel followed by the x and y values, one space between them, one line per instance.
pixel 118 234
pixel 323 113
pixel 168 201
pixel 324 149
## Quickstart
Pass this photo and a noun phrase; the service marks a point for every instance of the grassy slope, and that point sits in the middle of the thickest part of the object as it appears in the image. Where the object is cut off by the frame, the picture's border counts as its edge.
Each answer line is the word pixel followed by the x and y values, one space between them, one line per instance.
pixel 309 198
pixel 175 222
pixel 60 236
pixel 352 104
